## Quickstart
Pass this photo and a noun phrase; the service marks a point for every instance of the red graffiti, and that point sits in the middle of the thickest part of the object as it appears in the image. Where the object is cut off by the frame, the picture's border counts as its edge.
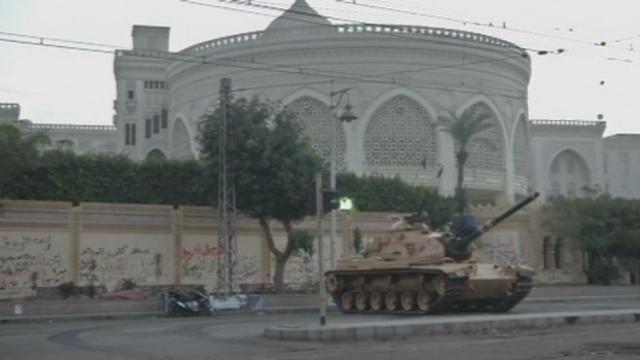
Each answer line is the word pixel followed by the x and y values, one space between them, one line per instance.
pixel 200 251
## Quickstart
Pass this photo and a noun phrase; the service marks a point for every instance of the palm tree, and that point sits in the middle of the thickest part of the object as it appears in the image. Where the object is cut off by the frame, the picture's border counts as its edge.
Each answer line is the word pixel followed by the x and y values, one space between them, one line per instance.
pixel 18 152
pixel 462 129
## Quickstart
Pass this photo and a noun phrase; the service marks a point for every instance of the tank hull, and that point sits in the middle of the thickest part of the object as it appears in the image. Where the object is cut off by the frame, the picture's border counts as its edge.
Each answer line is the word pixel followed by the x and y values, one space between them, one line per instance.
pixel 429 289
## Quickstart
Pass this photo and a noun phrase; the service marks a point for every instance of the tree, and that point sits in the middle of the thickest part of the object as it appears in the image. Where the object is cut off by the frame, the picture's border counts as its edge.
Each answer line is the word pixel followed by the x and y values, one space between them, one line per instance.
pixel 273 165
pixel 18 153
pixel 604 227
pixel 384 194
pixel 463 129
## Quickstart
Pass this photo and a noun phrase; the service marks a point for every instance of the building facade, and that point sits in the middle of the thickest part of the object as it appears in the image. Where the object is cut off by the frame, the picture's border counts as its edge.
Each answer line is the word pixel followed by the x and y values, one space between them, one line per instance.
pixel 420 74
pixel 80 139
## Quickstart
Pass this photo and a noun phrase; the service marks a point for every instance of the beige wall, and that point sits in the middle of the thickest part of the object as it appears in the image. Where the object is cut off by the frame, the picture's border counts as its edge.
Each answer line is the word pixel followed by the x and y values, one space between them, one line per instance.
pixel 159 245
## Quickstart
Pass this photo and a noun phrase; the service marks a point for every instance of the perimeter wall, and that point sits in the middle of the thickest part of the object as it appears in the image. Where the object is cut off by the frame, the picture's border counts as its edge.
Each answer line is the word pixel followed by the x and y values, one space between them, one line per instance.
pixel 43 244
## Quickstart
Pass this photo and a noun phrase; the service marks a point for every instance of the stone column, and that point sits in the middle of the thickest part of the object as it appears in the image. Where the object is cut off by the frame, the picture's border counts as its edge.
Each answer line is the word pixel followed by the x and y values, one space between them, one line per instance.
pixel 509 194
pixel 75 227
pixel 176 228
pixel 446 158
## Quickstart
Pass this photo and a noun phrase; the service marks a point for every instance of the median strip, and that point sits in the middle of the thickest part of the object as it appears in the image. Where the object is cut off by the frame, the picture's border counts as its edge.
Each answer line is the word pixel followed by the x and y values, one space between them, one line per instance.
pixel 387 330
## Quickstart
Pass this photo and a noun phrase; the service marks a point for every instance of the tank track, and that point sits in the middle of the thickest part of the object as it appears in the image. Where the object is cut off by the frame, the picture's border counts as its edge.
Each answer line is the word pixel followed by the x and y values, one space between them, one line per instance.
pixel 516 293
pixel 451 290
pixel 519 290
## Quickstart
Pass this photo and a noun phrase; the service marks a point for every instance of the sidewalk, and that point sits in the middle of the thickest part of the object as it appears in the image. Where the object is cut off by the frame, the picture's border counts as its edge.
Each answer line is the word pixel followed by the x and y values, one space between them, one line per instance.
pixel 59 310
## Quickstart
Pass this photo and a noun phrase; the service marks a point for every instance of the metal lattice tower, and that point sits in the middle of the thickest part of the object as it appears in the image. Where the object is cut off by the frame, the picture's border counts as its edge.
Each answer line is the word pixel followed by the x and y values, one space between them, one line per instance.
pixel 227 240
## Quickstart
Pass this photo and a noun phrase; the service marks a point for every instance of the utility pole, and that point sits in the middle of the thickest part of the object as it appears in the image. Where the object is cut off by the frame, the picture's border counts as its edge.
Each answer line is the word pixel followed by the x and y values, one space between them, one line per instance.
pixel 332 175
pixel 227 241
pixel 323 291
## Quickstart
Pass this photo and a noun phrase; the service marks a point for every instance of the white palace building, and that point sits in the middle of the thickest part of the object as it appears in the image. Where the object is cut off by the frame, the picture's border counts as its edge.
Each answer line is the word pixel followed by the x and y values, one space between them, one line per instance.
pixel 401 78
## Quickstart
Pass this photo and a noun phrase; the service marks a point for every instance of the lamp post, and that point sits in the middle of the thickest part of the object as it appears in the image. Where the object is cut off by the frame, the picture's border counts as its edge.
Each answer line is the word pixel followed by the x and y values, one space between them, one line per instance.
pixel 346 116
pixel 346 206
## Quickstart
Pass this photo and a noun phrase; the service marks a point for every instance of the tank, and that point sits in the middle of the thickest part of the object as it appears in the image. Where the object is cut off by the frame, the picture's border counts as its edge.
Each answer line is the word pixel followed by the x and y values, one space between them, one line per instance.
pixel 414 270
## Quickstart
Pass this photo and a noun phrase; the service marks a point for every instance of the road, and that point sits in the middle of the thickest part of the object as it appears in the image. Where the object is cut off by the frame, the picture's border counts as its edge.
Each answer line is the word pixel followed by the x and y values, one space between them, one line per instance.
pixel 239 337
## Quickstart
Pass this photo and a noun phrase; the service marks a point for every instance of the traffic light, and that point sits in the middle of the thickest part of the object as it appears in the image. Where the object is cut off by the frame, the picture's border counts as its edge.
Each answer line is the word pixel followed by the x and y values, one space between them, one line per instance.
pixel 330 200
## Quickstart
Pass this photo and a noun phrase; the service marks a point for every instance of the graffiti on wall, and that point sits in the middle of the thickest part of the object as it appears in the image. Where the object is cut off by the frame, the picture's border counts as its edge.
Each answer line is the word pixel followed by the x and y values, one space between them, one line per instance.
pixel 27 262
pixel 200 265
pixel 300 270
pixel 248 270
pixel 199 262
pixel 503 248
pixel 108 267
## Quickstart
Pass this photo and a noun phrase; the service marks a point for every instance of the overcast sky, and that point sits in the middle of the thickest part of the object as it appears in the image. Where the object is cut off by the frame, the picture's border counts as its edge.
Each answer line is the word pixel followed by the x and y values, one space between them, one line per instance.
pixel 63 86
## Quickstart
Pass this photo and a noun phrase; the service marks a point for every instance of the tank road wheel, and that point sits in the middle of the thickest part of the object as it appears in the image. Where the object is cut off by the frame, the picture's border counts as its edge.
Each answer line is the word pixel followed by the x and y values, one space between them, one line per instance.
pixel 362 301
pixel 347 301
pixel 440 285
pixel 391 300
pixel 424 301
pixel 376 301
pixel 407 301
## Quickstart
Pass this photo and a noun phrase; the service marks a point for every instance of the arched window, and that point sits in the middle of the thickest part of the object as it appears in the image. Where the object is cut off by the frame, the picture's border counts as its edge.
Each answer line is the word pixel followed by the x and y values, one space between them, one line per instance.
pixel 317 119
pixel 181 142
pixel 558 253
pixel 570 172
pixel 156 155
pixel 401 133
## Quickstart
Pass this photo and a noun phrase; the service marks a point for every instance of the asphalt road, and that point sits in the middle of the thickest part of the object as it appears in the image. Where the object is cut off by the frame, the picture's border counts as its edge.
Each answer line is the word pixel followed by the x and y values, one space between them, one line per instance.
pixel 239 337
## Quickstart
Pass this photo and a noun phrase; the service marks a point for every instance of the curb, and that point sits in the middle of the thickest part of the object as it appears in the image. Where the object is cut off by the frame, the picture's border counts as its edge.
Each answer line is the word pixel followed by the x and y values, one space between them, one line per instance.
pixel 269 310
pixel 21 319
pixel 403 329
pixel 579 298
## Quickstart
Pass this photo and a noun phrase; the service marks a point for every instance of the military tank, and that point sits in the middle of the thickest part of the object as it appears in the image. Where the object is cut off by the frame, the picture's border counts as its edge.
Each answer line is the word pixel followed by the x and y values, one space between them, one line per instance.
pixel 413 270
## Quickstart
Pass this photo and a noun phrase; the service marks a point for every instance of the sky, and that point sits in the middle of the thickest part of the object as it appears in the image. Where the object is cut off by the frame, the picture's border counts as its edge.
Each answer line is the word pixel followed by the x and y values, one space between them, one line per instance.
pixel 67 86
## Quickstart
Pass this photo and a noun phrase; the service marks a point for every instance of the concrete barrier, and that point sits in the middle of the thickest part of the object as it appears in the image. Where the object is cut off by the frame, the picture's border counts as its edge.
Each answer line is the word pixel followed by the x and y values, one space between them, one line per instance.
pixel 387 330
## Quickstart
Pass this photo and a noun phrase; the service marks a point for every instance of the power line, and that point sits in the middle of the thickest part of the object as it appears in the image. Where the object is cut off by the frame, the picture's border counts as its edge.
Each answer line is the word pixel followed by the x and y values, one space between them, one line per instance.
pixel 65 47
pixel 476 23
pixel 45 38
pixel 179 57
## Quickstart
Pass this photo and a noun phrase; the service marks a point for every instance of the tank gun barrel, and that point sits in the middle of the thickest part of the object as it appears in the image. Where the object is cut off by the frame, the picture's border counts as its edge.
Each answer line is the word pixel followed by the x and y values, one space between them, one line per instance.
pixel 490 224
pixel 460 246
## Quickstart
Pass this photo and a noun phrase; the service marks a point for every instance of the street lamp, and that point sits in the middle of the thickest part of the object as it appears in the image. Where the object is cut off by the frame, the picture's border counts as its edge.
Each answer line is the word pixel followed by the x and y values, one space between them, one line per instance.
pixel 346 116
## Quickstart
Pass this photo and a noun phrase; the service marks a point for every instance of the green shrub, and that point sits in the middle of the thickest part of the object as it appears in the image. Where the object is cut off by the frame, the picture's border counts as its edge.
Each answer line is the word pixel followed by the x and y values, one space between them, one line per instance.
pixel 67 289
pixel 302 242
pixel 604 273
pixel 91 291
pixel 127 284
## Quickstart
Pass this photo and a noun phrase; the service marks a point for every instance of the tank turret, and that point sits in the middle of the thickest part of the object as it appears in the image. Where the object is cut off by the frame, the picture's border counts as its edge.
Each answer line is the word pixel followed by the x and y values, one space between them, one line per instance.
pixel 458 246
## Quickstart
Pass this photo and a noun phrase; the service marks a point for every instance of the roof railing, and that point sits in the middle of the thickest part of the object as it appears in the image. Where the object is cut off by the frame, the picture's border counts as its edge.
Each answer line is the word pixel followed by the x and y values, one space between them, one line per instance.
pixel 71 127
pixel 420 31
pixel 581 123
